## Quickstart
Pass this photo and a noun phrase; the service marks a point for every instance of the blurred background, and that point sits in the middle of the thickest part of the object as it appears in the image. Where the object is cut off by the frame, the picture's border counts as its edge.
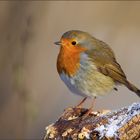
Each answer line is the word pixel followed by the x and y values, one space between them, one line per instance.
pixel 31 93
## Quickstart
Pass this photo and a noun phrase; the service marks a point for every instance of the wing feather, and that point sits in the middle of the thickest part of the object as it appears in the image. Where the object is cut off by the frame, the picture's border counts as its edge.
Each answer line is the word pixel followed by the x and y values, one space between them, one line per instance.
pixel 104 58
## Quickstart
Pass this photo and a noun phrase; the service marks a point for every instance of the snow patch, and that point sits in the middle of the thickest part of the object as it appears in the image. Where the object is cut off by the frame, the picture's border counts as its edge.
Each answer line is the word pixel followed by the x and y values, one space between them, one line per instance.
pixel 110 129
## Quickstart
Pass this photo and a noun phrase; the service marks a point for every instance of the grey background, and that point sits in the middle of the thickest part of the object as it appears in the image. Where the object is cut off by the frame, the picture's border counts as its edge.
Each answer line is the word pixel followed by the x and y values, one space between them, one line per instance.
pixel 31 92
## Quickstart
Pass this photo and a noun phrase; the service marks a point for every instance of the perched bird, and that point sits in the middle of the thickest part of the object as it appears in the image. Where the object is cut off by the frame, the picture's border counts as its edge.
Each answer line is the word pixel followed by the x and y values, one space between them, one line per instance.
pixel 88 66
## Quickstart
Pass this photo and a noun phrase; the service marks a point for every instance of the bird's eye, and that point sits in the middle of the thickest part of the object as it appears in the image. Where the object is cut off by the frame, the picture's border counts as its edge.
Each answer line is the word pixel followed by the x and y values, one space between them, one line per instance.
pixel 73 42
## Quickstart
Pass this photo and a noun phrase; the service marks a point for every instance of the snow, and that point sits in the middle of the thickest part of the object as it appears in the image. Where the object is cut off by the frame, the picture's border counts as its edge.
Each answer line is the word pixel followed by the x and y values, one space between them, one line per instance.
pixel 114 123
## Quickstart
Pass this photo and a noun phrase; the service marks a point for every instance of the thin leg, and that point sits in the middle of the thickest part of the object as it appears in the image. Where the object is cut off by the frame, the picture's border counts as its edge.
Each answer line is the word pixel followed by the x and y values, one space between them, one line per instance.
pixel 82 101
pixel 91 108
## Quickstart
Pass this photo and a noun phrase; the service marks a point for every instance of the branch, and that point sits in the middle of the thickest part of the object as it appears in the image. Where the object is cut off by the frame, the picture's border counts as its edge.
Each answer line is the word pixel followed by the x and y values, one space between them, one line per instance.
pixel 122 124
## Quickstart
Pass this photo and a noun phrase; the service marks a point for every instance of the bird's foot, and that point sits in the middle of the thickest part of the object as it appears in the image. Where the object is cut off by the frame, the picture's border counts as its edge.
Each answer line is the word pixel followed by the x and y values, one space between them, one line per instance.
pixel 81 103
pixel 90 110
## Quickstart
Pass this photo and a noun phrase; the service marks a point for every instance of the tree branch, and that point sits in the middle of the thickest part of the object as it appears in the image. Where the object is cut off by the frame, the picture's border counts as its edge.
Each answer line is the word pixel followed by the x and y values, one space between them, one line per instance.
pixel 122 124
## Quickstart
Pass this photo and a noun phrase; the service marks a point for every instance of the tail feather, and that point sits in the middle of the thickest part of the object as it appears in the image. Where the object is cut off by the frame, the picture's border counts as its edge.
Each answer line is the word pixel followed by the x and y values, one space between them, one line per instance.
pixel 133 88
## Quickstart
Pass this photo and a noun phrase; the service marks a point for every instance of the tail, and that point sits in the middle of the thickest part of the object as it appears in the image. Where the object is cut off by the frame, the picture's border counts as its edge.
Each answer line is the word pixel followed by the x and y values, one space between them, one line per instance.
pixel 133 88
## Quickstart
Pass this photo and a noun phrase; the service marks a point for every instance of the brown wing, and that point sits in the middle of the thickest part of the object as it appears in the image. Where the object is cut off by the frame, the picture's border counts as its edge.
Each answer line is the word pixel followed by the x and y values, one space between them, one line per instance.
pixel 106 63
pixel 114 71
pixel 102 55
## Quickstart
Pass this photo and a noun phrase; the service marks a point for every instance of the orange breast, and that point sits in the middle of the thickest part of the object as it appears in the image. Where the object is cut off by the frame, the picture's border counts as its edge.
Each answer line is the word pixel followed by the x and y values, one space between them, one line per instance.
pixel 68 60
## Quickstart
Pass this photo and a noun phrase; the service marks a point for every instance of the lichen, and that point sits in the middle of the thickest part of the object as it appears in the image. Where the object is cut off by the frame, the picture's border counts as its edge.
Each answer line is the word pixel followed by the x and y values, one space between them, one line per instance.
pixel 68 131
pixel 85 133
pixel 72 118
pixel 50 131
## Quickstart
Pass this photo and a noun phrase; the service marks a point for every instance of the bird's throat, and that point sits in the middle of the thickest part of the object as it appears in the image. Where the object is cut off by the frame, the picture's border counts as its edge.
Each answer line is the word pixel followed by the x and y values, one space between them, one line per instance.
pixel 68 61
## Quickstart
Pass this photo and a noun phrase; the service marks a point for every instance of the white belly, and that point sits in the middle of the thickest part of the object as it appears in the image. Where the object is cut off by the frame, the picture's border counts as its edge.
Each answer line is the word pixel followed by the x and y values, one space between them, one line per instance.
pixel 71 85
pixel 88 81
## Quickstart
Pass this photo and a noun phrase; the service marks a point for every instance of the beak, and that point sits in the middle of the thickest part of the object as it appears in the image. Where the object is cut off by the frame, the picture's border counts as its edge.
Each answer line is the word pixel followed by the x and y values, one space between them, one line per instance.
pixel 57 43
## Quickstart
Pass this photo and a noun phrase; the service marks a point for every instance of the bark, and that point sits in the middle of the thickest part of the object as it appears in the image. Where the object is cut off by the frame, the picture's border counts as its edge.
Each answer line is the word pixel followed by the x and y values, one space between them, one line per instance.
pixel 73 124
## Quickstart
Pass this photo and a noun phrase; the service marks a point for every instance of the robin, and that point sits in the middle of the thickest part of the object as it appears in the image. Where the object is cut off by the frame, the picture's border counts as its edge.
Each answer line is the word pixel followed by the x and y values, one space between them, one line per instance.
pixel 88 66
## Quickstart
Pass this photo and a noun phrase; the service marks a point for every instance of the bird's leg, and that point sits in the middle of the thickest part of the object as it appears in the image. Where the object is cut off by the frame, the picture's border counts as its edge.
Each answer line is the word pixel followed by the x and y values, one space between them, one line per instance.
pixel 82 101
pixel 91 108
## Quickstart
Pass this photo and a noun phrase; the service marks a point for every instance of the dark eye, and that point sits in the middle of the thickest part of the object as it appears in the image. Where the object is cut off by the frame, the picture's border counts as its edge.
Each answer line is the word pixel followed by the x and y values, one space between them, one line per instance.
pixel 73 42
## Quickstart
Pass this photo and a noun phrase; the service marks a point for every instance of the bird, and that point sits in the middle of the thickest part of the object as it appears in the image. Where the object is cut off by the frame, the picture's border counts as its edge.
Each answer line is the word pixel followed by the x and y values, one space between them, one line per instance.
pixel 88 66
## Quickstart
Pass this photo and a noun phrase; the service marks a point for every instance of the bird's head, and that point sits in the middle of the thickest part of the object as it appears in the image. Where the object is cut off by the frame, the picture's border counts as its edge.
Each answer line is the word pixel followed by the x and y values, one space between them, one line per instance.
pixel 75 41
